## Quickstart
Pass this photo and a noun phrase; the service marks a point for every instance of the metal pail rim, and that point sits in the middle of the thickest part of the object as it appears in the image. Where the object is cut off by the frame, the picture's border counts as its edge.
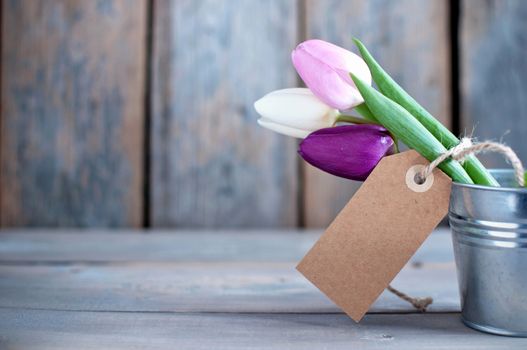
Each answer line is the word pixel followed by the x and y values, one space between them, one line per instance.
pixel 499 173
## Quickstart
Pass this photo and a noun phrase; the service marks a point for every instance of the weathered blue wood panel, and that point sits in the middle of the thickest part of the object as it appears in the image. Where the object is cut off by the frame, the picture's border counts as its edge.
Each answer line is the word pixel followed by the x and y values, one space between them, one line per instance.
pixel 494 73
pixel 72 112
pixel 212 166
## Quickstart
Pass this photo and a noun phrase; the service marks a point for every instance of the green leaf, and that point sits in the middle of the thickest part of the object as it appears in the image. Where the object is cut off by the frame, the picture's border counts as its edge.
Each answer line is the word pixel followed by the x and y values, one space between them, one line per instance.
pixel 352 119
pixel 393 91
pixel 363 110
pixel 406 128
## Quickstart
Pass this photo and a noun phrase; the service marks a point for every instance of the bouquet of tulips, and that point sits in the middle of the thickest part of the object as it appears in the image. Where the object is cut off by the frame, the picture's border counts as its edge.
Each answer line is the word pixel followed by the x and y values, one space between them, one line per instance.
pixel 347 145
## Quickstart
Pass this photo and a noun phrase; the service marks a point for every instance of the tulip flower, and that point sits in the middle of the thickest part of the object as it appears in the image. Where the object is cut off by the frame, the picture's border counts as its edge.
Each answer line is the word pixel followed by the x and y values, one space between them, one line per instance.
pixel 349 151
pixel 325 68
pixel 294 112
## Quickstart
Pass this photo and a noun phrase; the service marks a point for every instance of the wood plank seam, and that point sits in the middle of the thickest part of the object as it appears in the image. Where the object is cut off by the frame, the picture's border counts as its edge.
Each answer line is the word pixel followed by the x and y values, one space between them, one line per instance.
pixel 147 105
pixel 406 312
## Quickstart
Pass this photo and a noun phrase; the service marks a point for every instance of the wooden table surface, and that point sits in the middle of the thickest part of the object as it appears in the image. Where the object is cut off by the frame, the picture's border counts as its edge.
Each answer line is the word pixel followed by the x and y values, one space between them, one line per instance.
pixel 210 290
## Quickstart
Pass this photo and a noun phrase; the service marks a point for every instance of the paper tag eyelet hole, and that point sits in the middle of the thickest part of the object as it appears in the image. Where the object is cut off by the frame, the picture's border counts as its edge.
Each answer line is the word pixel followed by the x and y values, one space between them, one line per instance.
pixel 412 179
pixel 418 179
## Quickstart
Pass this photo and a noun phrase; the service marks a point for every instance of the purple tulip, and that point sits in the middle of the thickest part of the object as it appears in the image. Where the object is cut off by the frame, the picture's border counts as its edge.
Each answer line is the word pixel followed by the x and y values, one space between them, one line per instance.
pixel 349 151
pixel 326 68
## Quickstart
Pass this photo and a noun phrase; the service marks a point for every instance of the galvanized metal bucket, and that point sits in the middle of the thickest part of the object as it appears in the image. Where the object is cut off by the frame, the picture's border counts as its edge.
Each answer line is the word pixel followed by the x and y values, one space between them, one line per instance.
pixel 489 234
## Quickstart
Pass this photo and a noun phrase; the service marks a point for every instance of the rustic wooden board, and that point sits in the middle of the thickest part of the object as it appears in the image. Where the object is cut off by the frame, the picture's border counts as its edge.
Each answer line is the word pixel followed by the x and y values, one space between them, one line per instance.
pixel 46 329
pixel 212 299
pixel 72 113
pixel 410 39
pixel 494 73
pixel 66 246
pixel 191 271
pixel 204 287
pixel 212 166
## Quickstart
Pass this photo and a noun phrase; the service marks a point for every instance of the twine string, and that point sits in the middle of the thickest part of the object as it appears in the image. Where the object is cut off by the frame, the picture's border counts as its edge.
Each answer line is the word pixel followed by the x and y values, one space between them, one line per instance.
pixel 466 148
pixel 419 303
pixel 459 153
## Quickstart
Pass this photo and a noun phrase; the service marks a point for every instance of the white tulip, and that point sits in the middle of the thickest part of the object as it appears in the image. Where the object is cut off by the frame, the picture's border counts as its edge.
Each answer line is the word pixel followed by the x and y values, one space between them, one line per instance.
pixel 294 112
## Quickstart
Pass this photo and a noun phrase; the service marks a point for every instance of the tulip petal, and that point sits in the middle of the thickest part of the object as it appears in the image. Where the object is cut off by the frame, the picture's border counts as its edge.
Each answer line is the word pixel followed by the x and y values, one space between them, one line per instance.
pixel 350 151
pixel 325 69
pixel 297 108
pixel 341 60
pixel 282 129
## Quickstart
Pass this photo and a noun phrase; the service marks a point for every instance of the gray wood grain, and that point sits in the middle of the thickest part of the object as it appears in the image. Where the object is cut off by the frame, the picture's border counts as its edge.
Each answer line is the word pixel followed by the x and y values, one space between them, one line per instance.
pixel 212 166
pixel 410 40
pixel 44 329
pixel 192 290
pixel 72 103
pixel 191 271
pixel 494 73
pixel 204 287
pixel 56 246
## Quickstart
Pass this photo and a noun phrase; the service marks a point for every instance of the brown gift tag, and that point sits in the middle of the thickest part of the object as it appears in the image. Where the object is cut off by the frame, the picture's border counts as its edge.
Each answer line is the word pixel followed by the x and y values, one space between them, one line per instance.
pixel 377 232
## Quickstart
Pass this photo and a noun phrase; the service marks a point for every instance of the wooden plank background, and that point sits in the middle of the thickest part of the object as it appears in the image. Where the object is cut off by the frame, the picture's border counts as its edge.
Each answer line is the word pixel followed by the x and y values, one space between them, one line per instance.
pixel 494 73
pixel 211 166
pixel 139 112
pixel 72 113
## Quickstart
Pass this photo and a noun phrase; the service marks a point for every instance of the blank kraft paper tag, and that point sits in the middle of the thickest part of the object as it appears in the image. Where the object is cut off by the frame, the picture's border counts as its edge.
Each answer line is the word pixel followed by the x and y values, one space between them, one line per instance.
pixel 376 233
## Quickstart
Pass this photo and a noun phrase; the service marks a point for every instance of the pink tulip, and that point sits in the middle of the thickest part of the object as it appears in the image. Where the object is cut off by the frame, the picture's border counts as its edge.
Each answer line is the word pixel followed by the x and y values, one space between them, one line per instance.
pixel 325 68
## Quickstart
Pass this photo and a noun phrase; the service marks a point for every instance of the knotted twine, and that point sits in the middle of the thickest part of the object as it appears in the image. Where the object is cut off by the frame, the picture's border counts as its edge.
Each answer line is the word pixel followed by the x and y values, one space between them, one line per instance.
pixel 459 153
pixel 466 148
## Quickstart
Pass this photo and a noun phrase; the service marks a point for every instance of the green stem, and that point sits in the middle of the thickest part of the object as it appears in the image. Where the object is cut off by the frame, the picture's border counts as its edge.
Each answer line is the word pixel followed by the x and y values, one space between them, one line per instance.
pixel 363 110
pixel 396 143
pixel 352 119
pixel 388 87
